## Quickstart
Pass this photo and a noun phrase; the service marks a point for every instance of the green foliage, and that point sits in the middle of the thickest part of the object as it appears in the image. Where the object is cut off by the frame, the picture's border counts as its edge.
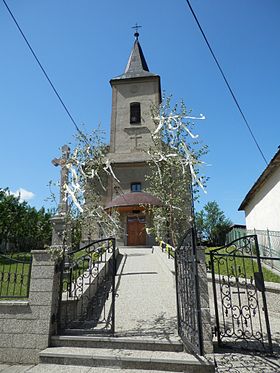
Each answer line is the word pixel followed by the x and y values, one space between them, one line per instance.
pixel 244 265
pixel 89 171
pixel 211 224
pixel 173 170
pixel 173 189
pixel 22 227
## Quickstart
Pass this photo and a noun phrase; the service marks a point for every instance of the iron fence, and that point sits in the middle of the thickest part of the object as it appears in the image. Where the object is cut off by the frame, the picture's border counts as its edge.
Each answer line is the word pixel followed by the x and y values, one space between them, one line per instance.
pixel 269 243
pixel 15 275
pixel 88 293
pixel 188 294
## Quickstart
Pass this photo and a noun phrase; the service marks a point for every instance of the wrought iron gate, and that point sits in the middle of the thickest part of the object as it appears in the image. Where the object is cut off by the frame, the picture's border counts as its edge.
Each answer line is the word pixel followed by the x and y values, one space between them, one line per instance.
pixel 241 314
pixel 187 289
pixel 87 301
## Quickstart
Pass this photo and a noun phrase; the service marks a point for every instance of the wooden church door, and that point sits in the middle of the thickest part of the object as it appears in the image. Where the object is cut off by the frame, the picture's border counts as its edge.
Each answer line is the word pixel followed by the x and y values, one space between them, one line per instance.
pixel 136 232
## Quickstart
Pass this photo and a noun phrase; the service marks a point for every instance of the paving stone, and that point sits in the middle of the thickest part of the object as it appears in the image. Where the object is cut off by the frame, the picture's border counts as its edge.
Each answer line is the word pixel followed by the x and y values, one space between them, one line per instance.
pixel 55 368
pixel 15 368
pixel 247 363
pixel 3 367
pixel 146 301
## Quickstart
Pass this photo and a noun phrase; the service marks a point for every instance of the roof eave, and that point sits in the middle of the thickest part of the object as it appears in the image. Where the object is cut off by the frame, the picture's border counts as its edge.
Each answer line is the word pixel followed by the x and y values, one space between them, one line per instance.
pixel 126 78
pixel 263 177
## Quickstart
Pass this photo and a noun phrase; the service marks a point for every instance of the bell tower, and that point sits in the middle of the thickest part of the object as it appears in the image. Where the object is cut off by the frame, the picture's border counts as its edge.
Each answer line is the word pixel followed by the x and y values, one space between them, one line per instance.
pixel 133 94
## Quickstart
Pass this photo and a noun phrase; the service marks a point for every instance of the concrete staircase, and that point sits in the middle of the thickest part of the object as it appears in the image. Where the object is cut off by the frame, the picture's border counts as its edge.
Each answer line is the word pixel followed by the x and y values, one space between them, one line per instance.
pixel 108 353
pixel 146 327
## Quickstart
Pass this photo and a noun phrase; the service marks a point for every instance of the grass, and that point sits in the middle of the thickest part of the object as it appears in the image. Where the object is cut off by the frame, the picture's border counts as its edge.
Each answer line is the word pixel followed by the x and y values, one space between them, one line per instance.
pixel 14 275
pixel 80 261
pixel 230 265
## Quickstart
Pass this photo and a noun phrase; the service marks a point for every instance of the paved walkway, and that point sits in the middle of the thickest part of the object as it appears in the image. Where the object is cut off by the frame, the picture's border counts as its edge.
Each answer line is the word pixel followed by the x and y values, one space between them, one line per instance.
pixel 146 306
pixel 146 301
pixel 55 368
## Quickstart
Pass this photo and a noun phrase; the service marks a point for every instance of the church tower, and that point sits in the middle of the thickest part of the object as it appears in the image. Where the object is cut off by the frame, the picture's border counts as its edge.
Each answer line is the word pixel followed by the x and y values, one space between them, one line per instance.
pixel 133 94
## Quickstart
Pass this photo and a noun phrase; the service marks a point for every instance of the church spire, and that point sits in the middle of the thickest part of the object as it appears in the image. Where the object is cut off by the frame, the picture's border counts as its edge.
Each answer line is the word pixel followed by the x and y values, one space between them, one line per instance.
pixel 136 62
pixel 137 65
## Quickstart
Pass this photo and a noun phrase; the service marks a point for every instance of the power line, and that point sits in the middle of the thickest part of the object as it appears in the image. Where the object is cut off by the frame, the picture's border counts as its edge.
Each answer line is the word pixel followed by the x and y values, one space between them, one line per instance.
pixel 42 69
pixel 226 81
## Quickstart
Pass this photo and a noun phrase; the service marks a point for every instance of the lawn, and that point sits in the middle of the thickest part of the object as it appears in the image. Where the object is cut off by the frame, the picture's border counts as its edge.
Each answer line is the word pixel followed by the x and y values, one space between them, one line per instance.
pixel 15 272
pixel 79 262
pixel 236 266
pixel 15 275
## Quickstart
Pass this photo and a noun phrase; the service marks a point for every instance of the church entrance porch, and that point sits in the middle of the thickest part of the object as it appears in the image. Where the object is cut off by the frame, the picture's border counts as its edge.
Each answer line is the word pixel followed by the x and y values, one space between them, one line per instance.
pixel 134 217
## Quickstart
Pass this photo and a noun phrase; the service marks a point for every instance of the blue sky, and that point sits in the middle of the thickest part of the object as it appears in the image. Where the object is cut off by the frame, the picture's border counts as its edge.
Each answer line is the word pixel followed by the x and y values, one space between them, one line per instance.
pixel 83 44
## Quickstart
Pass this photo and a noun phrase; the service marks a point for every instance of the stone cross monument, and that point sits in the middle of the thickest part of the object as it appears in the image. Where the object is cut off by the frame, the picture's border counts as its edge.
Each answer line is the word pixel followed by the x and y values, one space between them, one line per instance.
pixel 59 220
pixel 63 205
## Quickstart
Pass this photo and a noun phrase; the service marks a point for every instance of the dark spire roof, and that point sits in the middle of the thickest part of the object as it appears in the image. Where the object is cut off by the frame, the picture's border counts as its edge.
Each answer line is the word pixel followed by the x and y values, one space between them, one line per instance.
pixel 137 65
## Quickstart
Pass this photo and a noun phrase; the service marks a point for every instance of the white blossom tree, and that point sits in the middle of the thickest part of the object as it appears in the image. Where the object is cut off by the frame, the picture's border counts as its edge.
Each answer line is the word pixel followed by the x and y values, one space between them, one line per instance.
pixel 173 176
pixel 174 170
pixel 88 172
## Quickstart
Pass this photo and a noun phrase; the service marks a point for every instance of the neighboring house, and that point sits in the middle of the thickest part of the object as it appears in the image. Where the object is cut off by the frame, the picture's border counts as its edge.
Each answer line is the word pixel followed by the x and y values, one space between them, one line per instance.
pixel 133 94
pixel 262 202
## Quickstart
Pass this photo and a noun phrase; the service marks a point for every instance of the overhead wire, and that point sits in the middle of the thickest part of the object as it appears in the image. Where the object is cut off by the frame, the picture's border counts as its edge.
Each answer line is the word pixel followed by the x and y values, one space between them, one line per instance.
pixel 43 69
pixel 226 81
pixel 206 41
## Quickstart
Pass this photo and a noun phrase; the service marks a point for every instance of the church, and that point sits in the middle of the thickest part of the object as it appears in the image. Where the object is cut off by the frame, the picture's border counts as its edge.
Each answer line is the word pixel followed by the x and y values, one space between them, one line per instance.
pixel 133 94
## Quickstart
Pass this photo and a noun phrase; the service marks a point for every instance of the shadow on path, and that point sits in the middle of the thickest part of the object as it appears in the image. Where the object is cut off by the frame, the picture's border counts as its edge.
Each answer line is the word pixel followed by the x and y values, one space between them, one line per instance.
pixel 238 361
pixel 138 273
pixel 158 327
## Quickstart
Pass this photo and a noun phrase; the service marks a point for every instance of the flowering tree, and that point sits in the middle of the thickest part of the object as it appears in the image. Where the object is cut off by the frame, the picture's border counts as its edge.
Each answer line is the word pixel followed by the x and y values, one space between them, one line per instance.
pixel 84 190
pixel 174 170
pixel 173 177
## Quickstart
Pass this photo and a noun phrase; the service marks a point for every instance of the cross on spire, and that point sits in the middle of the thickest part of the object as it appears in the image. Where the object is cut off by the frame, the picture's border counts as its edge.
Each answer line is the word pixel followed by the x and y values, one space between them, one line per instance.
pixel 136 27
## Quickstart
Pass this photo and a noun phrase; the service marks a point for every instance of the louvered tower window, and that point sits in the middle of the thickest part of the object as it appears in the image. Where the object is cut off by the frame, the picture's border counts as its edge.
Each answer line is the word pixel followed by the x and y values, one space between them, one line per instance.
pixel 135 113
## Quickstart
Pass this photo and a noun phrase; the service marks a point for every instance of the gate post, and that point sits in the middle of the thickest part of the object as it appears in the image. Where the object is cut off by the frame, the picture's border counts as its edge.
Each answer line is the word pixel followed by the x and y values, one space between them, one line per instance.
pixel 204 301
pixel 269 247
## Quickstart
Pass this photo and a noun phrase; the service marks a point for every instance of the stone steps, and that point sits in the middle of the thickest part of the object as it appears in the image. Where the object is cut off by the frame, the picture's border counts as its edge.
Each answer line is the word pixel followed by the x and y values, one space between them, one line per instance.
pixel 123 353
pixel 172 345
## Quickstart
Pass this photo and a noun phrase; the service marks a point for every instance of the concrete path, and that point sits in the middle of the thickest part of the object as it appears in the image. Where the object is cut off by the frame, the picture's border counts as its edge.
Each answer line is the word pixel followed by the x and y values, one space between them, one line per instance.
pixel 146 301
pixel 55 368
pixel 146 305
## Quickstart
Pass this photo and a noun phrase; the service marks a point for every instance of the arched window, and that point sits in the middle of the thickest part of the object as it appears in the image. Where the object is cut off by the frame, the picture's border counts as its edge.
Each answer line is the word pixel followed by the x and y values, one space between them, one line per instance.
pixel 135 113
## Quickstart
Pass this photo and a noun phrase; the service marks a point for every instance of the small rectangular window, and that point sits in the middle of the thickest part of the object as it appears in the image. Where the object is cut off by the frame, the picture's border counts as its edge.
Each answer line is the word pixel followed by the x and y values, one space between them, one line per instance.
pixel 135 187
pixel 135 113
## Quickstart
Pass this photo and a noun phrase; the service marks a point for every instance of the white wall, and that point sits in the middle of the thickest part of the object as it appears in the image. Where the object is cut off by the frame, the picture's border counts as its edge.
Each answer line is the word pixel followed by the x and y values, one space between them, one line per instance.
pixel 263 211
